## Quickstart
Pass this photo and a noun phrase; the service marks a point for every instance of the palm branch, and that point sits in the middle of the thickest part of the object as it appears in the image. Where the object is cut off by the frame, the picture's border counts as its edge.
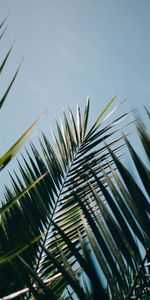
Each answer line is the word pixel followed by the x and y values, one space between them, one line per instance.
pixel 51 200
pixel 116 230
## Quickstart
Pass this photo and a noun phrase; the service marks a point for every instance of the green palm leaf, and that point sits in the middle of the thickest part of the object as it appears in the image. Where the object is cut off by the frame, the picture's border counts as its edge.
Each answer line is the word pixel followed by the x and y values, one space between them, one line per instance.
pixel 51 200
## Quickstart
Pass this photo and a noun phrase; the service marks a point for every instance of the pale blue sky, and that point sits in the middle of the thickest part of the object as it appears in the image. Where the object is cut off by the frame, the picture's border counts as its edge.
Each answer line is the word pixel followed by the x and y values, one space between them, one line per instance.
pixel 72 49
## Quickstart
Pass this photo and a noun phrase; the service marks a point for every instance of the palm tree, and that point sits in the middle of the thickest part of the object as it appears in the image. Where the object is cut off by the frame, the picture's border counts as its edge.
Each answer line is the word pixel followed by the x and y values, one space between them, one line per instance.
pixel 76 212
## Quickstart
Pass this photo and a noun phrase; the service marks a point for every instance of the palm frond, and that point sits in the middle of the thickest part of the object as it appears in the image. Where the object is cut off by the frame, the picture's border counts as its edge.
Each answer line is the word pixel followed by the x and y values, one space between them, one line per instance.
pixel 51 199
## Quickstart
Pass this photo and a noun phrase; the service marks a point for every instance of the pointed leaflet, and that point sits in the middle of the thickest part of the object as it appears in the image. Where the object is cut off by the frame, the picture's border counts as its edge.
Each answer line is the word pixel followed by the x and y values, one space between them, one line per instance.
pixel 9 256
pixel 117 234
pixel 51 185
pixel 63 145
pixel 8 205
pixel 12 151
pixel 60 152
pixel 8 89
pixel 47 291
pixel 79 124
pixel 100 240
pixel 128 238
pixel 41 189
pixel 1 35
pixel 5 60
pixel 69 137
pixel 125 203
pixel 112 111
pixel 127 216
pixel 144 137
pixel 102 262
pixel 144 173
pixel 66 136
pixel 74 128
pixel 147 111
pixel 139 201
pixel 1 25
pixel 86 116
pixel 52 156
pixel 44 184
pixel 100 116
pixel 74 284
pixel 37 203
pixel 97 288
pixel 67 265
pixel 110 241
pixel 73 249
pixel 55 171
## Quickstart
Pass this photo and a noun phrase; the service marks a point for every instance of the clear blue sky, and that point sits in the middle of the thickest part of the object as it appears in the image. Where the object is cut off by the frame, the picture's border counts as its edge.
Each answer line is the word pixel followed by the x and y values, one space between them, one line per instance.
pixel 72 49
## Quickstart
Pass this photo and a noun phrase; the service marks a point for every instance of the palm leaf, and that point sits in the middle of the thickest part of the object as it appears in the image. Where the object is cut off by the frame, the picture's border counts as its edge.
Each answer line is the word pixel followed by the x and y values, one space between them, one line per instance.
pixel 5 158
pixel 51 200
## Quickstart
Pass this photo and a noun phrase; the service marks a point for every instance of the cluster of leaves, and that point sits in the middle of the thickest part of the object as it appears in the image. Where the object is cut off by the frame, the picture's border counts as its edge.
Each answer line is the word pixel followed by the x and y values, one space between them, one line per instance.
pixel 77 212
pixel 6 254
